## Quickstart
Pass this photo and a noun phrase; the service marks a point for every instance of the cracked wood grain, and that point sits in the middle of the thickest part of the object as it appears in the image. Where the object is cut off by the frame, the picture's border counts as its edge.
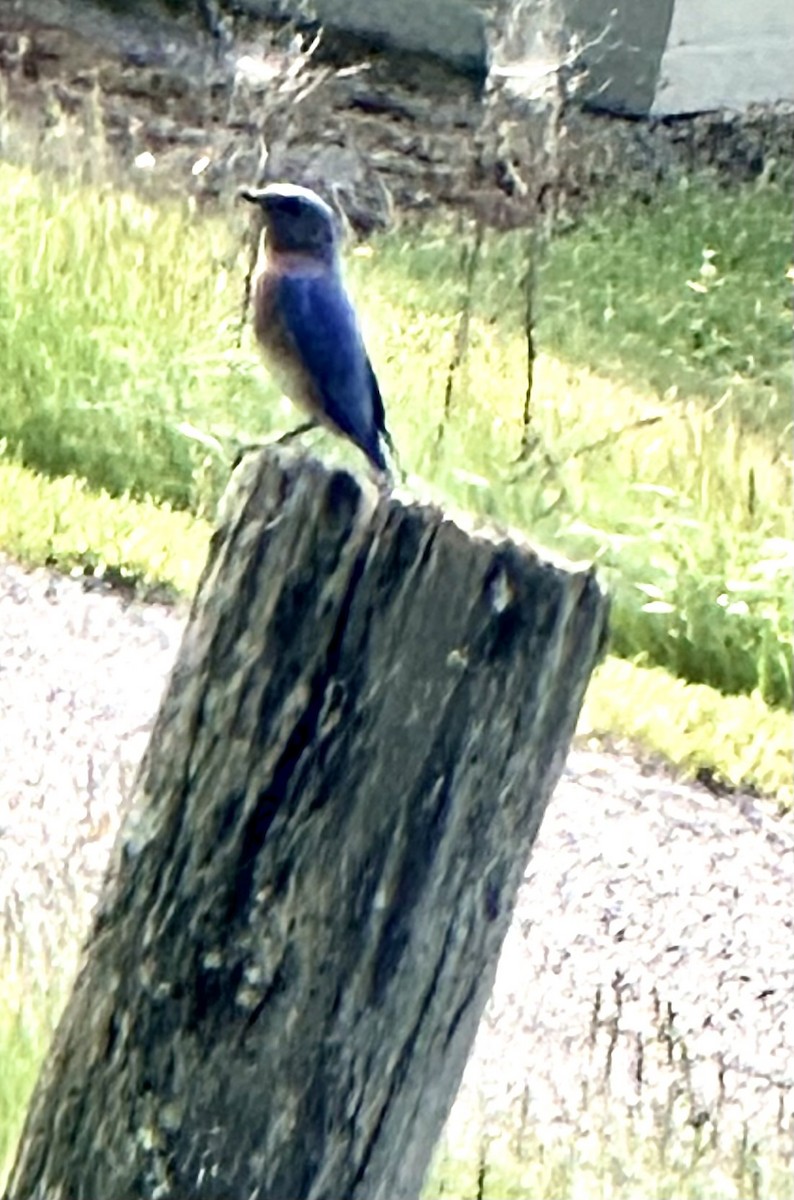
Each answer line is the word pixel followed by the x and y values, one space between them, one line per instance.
pixel 302 919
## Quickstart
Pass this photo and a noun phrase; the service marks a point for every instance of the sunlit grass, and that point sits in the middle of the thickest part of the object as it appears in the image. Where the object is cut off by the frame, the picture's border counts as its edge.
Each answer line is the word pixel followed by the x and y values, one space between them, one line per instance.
pixel 658 445
pixel 688 517
pixel 693 727
pixel 21 1052
pixel 61 522
pixel 611 1156
pixel 28 1013
pixel 110 335
pixel 119 357
pixel 158 551
pixel 689 292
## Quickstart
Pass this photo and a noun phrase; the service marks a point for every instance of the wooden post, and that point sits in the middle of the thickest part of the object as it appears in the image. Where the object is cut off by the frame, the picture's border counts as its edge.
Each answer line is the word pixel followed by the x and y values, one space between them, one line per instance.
pixel 301 924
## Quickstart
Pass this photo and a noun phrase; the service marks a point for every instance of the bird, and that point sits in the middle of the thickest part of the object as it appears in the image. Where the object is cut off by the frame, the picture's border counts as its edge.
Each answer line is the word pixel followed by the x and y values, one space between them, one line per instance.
pixel 306 324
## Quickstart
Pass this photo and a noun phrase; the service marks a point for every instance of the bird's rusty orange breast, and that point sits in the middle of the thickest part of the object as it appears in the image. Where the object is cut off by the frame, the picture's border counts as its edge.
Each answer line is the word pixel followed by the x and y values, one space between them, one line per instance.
pixel 281 355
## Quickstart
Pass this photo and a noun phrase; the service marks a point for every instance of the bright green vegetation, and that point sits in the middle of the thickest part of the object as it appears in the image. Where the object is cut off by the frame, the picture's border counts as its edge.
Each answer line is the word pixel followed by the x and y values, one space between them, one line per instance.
pixel 662 448
pixel 109 337
pixel 161 551
pixel 689 294
pixel 27 1018
pixel 669 465
pixel 605 1159
pixel 137 543
pixel 659 445
pixel 692 726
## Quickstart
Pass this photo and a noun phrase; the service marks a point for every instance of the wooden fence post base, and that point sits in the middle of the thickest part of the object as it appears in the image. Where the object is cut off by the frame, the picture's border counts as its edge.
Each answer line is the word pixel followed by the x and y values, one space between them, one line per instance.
pixel 301 925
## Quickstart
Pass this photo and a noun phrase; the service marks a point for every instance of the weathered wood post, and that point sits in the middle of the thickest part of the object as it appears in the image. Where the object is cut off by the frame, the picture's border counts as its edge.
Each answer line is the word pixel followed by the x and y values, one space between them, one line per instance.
pixel 301 926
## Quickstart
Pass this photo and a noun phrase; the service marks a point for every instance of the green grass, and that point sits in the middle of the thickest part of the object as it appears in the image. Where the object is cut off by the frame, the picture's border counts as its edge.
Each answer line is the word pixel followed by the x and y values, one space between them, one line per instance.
pixel 160 552
pixel 689 294
pixel 136 543
pixel 611 1158
pixel 119 364
pixel 20 1057
pixel 689 514
pixel 27 1018
pixel 659 445
pixel 107 347
pixel 692 727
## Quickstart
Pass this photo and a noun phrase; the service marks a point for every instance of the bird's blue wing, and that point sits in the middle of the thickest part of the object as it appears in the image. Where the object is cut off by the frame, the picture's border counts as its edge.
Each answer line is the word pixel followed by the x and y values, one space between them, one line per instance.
pixel 319 320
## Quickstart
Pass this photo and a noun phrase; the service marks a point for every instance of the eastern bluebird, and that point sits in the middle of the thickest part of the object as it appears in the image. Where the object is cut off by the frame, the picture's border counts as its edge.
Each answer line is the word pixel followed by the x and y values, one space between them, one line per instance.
pixel 306 324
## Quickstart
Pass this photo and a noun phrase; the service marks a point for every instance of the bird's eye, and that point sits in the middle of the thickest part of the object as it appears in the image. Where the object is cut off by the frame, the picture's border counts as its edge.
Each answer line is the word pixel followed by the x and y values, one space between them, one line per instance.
pixel 292 206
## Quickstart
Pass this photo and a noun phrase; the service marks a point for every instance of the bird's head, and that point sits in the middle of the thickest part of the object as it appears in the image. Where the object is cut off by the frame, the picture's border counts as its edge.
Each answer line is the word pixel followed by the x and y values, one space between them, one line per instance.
pixel 297 220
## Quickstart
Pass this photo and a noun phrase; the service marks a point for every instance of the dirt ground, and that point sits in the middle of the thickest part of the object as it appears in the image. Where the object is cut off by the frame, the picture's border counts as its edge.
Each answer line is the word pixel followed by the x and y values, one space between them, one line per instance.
pixel 155 103
pixel 652 949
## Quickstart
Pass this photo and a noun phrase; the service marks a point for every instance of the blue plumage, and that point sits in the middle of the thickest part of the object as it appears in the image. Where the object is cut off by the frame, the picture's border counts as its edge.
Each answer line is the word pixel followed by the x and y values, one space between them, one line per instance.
pixel 319 318
pixel 306 324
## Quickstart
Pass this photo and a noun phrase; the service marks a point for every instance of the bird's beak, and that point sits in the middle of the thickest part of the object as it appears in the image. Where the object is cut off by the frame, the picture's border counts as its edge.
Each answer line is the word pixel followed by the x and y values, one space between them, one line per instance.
pixel 252 195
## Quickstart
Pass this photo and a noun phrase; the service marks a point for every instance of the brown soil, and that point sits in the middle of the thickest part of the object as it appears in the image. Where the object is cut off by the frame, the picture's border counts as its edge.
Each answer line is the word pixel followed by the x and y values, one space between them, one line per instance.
pixel 157 103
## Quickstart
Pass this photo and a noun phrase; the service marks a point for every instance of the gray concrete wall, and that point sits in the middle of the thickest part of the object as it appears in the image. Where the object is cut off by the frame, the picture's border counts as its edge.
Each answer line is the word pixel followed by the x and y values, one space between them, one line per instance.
pixel 451 30
pixel 662 56
pixel 727 54
pixel 622 47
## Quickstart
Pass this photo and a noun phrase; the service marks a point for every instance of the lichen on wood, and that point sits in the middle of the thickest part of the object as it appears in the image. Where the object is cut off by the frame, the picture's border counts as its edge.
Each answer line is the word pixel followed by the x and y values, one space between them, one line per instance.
pixel 301 924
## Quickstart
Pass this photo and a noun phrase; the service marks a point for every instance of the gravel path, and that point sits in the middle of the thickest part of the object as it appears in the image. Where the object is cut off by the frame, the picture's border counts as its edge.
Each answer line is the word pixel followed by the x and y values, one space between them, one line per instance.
pixel 653 943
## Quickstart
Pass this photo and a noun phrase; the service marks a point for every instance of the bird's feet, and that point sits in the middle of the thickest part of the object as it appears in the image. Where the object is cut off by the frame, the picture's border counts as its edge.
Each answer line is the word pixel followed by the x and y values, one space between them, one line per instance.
pixel 281 440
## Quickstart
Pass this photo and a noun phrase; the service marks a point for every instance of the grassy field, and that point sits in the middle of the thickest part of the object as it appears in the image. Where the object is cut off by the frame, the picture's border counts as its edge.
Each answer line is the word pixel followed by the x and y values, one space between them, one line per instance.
pixel 659 445
pixel 659 435
pixel 648 1160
